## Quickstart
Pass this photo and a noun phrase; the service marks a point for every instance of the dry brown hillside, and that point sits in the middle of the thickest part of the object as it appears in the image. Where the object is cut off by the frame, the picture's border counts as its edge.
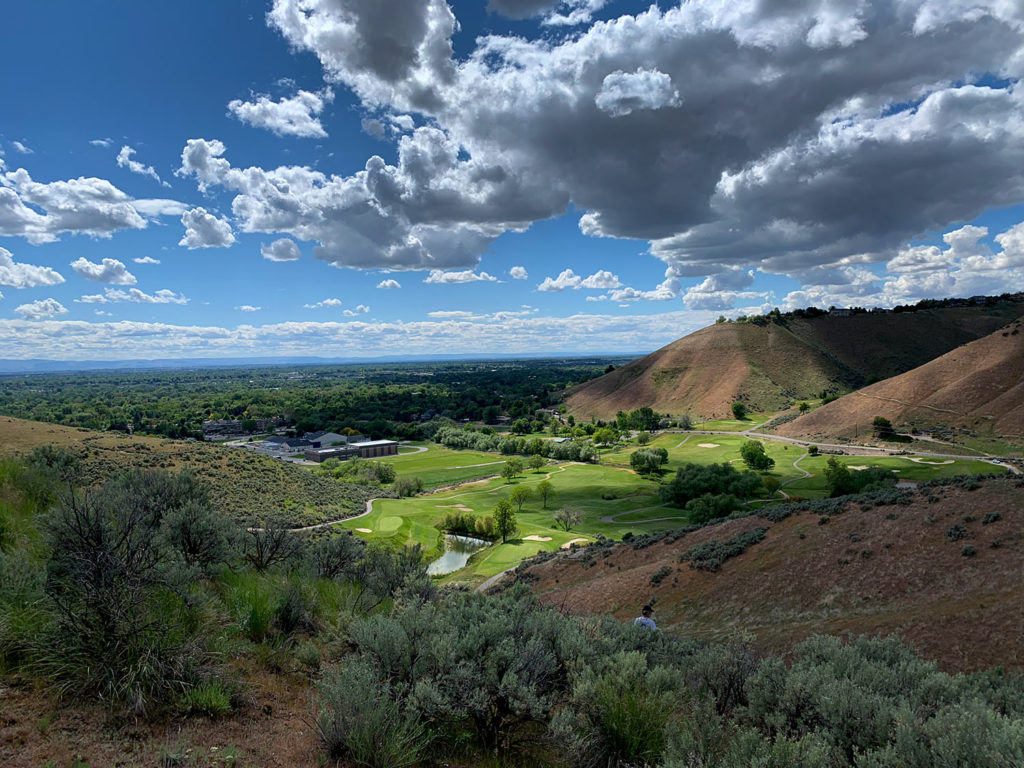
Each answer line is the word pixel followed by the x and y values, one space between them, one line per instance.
pixel 979 386
pixel 773 364
pixel 876 570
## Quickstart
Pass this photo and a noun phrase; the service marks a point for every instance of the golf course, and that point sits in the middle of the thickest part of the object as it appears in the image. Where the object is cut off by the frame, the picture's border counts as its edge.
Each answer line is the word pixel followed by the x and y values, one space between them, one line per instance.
pixel 611 499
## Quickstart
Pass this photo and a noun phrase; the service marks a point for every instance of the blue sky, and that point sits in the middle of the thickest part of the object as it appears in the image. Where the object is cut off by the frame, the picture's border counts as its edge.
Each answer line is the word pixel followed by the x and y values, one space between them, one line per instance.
pixel 386 177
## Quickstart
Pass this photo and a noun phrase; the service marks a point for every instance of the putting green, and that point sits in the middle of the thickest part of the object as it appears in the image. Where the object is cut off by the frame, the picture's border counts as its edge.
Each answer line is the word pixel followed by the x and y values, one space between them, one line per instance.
pixel 389 524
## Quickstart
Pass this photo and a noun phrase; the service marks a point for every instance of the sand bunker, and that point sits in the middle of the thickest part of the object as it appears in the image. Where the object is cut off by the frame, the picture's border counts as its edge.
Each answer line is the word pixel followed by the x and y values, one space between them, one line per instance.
pixel 859 467
pixel 365 530
pixel 536 538
pixel 708 445
pixel 919 460
pixel 570 543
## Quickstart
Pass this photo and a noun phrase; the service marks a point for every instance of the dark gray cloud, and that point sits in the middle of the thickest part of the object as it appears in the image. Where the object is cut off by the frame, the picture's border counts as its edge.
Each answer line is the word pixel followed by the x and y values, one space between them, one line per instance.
pixel 522 9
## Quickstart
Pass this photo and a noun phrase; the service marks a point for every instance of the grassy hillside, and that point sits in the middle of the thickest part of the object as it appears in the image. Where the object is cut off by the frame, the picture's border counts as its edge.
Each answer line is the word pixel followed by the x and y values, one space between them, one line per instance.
pixel 243 484
pixel 979 387
pixel 942 571
pixel 773 364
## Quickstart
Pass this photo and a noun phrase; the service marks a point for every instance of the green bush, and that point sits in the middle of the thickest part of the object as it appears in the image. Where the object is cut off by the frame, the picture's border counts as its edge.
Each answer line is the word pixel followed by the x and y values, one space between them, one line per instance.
pixel 201 537
pixel 361 720
pixel 408 485
pixel 210 698
pixel 121 633
pixel 618 712
pixel 336 556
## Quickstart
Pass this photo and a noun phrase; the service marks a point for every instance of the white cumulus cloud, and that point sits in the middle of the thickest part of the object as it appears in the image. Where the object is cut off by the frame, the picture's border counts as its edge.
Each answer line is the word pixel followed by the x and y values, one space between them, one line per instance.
pixel 109 271
pixel 389 283
pixel 324 303
pixel 41 309
pixel 464 276
pixel 18 275
pixel 281 250
pixel 295 116
pixel 146 260
pixel 124 160
pixel 133 295
pixel 248 308
pixel 518 273
pixel 205 230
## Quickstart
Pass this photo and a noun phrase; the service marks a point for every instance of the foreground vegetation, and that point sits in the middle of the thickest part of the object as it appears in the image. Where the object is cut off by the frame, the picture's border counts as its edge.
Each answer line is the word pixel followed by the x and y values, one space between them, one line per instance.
pixel 139 596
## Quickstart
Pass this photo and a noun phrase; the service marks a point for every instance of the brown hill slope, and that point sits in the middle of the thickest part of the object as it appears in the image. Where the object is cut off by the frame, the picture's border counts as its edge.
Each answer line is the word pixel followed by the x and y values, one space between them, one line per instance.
pixel 771 365
pixel 979 386
pixel 873 570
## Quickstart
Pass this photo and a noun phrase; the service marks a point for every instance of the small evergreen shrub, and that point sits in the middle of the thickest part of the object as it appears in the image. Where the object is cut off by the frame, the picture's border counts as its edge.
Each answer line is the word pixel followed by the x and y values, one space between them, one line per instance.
pixel 956 532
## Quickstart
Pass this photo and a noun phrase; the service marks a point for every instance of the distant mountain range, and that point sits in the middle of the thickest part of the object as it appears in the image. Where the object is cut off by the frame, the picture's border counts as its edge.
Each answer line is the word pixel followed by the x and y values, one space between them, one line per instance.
pixel 54 366
pixel 771 362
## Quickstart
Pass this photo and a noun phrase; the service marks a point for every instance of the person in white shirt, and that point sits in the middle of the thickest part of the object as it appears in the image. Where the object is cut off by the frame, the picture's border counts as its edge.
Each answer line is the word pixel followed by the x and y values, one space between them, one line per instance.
pixel 644 619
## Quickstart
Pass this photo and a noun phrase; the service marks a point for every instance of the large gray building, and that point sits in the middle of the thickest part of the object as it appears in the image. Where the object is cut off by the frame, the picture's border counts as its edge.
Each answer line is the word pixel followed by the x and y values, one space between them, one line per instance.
pixel 369 449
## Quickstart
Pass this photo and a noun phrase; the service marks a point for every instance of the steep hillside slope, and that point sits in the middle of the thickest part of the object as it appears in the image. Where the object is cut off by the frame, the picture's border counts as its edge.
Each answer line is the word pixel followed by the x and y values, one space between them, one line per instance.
pixel 979 386
pixel 773 364
pixel 871 570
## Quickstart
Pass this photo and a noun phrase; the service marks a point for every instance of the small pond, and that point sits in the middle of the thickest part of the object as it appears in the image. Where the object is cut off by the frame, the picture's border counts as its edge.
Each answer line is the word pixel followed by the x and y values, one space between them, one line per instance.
pixel 458 550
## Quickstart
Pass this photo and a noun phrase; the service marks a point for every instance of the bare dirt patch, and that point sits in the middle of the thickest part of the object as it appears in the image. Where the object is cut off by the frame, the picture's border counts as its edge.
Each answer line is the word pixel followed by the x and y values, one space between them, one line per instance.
pixel 272 729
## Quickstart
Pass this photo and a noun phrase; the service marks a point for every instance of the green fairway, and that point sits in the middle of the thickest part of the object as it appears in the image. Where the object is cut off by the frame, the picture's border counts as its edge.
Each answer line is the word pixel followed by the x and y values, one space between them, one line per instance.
pixel 711 449
pixel 910 468
pixel 443 466
pixel 735 425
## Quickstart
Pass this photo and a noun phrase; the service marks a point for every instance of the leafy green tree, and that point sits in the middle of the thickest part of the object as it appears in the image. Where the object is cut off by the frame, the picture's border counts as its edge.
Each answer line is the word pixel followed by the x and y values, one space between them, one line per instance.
pixel 648 461
pixel 408 485
pixel 605 436
pixel 546 491
pixel 882 427
pixel 568 517
pixel 643 438
pixel 505 520
pixel 536 461
pixel 694 480
pixel 754 456
pixel 521 426
pixel 519 496
pixel 491 413
pixel 508 471
pixel 838 477
pixel 712 506
pixel 739 410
